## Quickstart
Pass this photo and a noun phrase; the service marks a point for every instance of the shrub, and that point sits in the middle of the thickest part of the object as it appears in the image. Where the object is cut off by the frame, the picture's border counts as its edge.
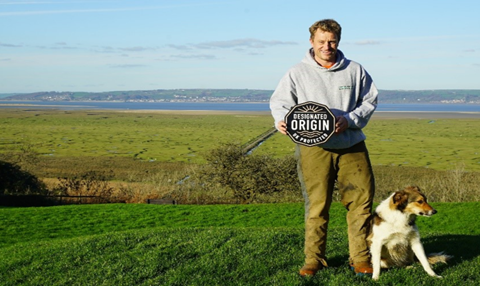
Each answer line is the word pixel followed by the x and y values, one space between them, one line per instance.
pixel 246 176
pixel 15 181
pixel 230 176
pixel 87 184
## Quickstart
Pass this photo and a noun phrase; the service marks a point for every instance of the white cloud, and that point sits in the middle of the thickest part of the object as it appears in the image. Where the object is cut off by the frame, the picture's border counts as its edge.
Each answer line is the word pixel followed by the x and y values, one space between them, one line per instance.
pixel 249 42
pixel 9 45
pixel 95 10
pixel 179 47
pixel 127 66
pixel 198 56
pixel 135 49
pixel 367 42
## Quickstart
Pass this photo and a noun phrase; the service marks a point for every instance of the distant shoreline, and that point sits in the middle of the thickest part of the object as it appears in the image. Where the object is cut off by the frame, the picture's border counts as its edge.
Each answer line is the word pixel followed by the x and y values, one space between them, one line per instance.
pixel 376 115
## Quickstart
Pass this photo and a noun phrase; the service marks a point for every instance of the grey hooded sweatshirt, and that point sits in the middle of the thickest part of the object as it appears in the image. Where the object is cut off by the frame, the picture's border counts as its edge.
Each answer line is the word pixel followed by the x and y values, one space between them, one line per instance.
pixel 346 88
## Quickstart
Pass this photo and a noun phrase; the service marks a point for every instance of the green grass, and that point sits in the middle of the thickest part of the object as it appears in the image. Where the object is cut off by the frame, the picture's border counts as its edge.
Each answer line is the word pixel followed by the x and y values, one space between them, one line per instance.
pixel 207 245
pixel 37 224
pixel 441 144
pixel 146 136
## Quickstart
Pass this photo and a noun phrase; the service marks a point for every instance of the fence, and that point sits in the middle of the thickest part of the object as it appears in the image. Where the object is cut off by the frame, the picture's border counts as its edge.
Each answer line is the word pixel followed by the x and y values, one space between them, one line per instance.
pixel 255 142
pixel 40 201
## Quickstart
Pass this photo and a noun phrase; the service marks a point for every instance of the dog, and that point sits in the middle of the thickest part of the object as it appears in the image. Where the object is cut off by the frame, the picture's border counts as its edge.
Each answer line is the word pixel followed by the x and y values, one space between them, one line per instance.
pixel 395 238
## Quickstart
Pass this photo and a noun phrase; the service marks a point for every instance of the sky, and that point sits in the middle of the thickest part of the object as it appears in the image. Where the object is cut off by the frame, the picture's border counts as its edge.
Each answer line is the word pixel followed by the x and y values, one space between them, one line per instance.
pixel 112 45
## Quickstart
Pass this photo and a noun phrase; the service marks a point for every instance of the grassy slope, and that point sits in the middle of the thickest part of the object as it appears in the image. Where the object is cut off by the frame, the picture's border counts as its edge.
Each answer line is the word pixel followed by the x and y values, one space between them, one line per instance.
pixel 206 245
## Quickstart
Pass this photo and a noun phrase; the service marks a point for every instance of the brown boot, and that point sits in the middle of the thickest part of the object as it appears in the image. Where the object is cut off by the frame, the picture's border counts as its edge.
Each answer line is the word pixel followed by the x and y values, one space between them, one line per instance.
pixel 310 269
pixel 362 268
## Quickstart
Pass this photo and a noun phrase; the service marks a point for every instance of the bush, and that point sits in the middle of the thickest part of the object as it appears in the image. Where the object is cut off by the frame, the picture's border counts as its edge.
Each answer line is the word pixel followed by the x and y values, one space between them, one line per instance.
pixel 87 184
pixel 15 181
pixel 230 176
pixel 246 176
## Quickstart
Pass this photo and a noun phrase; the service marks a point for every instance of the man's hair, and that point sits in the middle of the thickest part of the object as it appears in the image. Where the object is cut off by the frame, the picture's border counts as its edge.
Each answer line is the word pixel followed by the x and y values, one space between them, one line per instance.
pixel 326 25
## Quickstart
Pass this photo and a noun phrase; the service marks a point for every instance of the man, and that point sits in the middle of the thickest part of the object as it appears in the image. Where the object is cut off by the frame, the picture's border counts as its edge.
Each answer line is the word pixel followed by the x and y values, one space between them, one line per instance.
pixel 327 77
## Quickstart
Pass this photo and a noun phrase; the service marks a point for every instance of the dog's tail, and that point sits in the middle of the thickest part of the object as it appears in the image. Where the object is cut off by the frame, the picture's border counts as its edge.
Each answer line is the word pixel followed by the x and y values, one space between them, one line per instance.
pixel 439 257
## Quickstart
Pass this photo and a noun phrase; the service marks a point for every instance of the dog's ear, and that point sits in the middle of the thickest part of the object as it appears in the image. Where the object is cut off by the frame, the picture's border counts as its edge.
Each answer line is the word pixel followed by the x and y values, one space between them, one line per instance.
pixel 400 198
pixel 414 189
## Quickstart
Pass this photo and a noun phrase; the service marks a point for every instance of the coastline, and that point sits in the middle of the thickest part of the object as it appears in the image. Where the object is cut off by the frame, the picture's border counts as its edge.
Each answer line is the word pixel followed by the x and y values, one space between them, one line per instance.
pixel 390 114
pixel 376 115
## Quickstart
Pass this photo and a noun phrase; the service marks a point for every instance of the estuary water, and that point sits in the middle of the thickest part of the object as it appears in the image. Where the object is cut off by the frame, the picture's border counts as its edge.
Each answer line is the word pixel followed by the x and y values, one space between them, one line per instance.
pixel 224 106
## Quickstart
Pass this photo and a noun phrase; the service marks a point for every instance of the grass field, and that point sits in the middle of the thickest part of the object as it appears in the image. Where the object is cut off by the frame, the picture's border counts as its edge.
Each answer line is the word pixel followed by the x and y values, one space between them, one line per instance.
pixel 441 144
pixel 164 137
pixel 145 153
pixel 208 245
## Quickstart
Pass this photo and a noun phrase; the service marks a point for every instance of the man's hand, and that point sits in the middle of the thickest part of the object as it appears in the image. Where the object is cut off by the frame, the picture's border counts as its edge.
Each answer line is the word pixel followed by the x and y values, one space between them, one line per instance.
pixel 282 127
pixel 341 125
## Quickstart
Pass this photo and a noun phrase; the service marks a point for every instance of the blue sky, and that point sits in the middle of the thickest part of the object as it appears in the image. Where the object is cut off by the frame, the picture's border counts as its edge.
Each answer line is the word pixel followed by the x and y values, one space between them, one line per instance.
pixel 89 45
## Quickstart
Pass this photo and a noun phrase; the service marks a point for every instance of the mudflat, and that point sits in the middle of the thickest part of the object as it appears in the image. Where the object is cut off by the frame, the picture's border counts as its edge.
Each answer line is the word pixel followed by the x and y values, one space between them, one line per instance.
pixel 377 114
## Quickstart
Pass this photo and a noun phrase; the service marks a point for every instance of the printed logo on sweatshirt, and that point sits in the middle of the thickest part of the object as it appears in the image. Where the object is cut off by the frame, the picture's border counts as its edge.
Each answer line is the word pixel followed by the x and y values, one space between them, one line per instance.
pixel 342 87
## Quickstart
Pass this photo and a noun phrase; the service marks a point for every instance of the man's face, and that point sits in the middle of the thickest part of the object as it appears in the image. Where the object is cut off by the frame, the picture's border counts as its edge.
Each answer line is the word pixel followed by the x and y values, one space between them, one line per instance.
pixel 325 46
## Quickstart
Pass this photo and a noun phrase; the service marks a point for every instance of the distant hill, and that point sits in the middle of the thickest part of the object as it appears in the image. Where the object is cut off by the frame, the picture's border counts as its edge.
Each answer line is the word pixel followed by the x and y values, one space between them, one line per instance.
pixel 430 96
pixel 239 95
pixel 3 95
pixel 171 95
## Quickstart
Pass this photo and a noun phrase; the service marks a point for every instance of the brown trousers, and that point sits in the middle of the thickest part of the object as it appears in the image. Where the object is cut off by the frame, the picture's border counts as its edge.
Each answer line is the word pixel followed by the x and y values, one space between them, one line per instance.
pixel 318 170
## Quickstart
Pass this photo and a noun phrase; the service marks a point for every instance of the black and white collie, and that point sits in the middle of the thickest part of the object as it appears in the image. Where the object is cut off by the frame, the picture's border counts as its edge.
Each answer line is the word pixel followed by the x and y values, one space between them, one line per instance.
pixel 395 238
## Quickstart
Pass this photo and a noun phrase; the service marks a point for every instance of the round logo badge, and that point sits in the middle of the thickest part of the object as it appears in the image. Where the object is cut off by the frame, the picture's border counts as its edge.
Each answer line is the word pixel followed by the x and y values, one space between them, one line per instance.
pixel 310 123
